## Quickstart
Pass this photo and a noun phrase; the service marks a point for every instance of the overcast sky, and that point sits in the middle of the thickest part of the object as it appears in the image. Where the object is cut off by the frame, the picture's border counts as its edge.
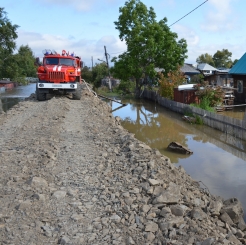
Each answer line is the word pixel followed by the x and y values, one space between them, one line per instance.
pixel 85 27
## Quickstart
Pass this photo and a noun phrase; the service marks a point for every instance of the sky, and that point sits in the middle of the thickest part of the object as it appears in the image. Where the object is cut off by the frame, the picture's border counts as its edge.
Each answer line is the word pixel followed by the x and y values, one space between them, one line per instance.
pixel 85 27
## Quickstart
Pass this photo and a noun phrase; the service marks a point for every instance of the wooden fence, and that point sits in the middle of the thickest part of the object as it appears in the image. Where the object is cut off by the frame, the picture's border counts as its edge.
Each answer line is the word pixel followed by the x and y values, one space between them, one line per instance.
pixel 228 125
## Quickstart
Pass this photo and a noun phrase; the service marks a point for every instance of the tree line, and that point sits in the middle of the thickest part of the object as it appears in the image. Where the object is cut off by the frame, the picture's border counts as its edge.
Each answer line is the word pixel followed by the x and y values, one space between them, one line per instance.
pixel 14 65
pixel 220 59
pixel 150 45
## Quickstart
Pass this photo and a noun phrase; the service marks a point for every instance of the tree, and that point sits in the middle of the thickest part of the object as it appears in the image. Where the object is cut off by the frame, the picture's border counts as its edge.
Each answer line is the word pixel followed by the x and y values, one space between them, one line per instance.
pixel 8 35
pixel 169 82
pixel 87 74
pixel 25 60
pixel 205 58
pixel 98 73
pixel 234 62
pixel 223 58
pixel 150 44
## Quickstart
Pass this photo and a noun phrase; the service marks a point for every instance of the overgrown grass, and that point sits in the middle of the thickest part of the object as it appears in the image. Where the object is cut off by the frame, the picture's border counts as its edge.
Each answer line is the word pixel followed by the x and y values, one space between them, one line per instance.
pixel 199 120
pixel 114 93
pixel 204 104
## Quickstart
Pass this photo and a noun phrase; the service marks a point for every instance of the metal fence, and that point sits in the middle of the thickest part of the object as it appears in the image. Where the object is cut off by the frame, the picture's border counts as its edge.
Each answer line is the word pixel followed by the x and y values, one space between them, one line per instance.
pixel 228 125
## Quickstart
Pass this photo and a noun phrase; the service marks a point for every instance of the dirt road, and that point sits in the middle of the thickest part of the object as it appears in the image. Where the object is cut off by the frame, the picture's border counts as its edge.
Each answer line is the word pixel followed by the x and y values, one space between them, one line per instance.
pixel 70 174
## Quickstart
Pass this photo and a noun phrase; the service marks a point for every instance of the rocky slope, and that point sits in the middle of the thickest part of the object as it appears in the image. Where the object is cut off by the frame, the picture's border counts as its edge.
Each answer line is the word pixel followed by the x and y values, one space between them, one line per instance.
pixel 70 174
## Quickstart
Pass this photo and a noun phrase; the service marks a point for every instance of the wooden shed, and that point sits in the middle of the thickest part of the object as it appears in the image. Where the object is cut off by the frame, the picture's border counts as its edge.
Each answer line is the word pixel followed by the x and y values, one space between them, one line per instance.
pixel 7 84
pixel 186 94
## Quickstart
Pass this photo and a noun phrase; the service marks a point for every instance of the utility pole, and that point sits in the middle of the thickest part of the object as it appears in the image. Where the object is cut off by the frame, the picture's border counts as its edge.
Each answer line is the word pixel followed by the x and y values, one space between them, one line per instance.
pixel 92 62
pixel 109 79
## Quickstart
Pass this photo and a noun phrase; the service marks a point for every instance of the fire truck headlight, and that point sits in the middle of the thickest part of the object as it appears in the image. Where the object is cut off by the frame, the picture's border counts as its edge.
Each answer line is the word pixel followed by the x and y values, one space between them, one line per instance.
pixel 41 85
pixel 72 85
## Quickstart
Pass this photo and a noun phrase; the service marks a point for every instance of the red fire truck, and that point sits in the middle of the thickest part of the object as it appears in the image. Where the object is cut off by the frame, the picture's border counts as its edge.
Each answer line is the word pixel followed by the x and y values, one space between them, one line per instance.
pixel 59 74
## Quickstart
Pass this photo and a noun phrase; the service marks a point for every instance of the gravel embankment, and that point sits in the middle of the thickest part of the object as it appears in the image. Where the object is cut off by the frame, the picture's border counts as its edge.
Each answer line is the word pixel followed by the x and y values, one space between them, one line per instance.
pixel 70 174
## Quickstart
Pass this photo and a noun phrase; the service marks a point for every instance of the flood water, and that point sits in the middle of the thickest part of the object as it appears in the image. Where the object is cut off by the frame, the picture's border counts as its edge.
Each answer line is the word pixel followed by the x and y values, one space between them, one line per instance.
pixel 218 160
pixel 12 97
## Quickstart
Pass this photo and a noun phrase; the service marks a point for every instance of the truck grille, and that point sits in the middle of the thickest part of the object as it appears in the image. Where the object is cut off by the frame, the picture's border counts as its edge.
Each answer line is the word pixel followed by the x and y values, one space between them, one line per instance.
pixel 56 76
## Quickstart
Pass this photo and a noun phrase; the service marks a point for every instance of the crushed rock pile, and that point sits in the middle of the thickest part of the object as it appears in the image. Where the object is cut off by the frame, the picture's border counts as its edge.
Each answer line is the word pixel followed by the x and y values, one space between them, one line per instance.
pixel 70 174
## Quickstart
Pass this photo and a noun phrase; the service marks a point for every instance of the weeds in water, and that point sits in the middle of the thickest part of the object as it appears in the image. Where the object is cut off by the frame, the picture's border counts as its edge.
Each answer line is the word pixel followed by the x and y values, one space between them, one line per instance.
pixel 198 120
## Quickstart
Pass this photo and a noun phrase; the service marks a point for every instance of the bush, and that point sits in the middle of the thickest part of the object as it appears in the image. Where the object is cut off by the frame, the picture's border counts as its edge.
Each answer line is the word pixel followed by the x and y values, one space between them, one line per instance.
pixel 125 87
pixel 169 82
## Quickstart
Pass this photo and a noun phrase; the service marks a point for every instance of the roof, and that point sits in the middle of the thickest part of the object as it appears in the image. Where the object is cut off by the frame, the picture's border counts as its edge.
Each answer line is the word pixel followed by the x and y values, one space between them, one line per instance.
pixel 206 67
pixel 189 69
pixel 240 67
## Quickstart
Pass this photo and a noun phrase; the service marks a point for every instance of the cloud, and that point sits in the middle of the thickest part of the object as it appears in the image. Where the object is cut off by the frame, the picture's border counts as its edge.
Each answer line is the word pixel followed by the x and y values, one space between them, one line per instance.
pixel 86 48
pixel 219 16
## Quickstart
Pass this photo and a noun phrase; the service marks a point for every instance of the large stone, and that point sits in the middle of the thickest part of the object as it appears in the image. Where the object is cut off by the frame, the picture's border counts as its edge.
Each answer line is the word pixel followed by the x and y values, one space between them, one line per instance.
pixel 208 241
pixel 178 210
pixel 170 196
pixel 241 224
pixel 151 226
pixel 59 194
pixel 226 218
pixel 233 208
pixel 198 214
pixel 37 182
pixel 153 182
pixel 215 207
pixel 149 236
pixel 174 222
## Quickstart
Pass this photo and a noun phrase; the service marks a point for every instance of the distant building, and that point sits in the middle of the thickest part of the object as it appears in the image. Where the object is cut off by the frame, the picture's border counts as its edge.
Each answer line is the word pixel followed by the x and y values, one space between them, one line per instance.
pixel 238 73
pixel 7 84
pixel 189 71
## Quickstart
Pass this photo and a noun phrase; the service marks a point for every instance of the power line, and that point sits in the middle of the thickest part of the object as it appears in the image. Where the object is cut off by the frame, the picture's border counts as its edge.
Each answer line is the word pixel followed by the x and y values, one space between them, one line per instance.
pixel 188 13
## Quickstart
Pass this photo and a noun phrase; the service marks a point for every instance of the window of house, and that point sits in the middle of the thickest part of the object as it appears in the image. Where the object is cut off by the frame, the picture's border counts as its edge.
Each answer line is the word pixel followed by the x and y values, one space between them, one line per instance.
pixel 239 86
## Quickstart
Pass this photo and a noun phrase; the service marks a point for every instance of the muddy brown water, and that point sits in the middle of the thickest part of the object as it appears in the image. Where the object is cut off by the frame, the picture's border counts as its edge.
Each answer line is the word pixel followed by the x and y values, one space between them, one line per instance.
pixel 14 96
pixel 218 160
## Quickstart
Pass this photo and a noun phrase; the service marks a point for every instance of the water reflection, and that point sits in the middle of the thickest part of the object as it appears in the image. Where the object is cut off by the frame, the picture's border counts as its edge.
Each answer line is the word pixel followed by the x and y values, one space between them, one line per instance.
pixel 237 112
pixel 219 160
pixel 12 97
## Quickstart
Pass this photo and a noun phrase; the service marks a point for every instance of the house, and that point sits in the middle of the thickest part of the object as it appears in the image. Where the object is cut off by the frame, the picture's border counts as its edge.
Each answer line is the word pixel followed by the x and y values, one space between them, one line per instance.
pixel 189 71
pixel 238 73
pixel 214 76
pixel 7 84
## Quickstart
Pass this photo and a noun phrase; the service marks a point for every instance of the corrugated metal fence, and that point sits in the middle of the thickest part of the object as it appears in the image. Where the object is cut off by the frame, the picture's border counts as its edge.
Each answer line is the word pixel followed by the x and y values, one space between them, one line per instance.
pixel 228 125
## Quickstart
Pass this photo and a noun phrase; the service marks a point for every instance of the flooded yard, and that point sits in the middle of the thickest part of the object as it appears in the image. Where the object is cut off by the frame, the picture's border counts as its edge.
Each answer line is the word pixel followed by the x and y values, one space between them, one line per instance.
pixel 218 160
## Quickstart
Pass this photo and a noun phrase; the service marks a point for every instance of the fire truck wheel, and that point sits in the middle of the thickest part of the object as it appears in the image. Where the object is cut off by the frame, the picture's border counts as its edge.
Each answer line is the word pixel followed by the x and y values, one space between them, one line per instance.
pixel 40 96
pixel 77 93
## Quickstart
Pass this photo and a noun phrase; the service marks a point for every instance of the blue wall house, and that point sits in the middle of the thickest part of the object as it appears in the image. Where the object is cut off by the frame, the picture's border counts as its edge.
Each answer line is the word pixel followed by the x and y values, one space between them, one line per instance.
pixel 238 73
pixel 190 72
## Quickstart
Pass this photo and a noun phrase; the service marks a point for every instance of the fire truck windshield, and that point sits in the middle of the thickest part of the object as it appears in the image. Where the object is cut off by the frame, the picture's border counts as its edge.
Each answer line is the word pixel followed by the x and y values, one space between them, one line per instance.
pixel 66 62
pixel 52 61
pixel 59 61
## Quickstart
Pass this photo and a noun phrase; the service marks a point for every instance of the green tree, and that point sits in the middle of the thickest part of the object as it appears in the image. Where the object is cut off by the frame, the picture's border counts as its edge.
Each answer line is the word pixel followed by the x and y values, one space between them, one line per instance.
pixel 150 44
pixel 8 35
pixel 205 58
pixel 87 74
pixel 25 60
pixel 223 58
pixel 234 62
pixel 98 73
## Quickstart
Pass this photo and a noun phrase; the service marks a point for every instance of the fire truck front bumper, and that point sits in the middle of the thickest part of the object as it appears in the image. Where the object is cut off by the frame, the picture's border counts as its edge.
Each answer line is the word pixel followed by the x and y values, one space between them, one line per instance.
pixel 57 85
